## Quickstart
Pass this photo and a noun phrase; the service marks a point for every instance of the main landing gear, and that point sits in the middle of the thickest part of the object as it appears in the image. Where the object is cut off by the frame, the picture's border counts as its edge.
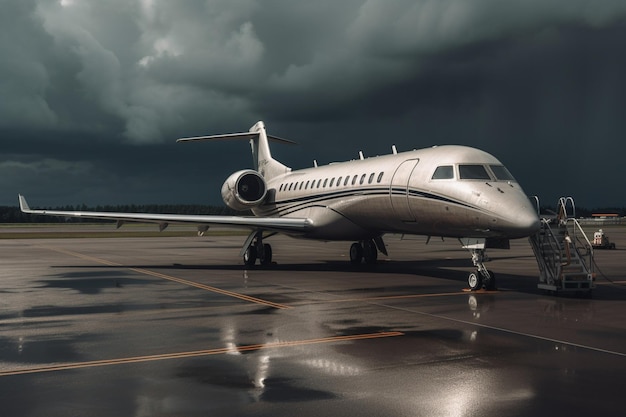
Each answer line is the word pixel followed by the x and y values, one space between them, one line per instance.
pixel 367 250
pixel 482 277
pixel 254 249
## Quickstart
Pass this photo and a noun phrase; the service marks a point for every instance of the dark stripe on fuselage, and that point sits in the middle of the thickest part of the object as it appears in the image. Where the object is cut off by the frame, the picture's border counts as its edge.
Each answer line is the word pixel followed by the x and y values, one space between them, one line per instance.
pixel 284 207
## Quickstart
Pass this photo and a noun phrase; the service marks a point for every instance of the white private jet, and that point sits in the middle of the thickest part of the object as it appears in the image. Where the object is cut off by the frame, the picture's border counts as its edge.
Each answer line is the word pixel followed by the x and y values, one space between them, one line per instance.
pixel 447 191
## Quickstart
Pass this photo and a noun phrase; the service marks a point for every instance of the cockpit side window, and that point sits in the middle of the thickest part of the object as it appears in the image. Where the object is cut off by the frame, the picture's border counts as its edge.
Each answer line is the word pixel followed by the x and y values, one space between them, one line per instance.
pixel 501 173
pixel 473 172
pixel 443 172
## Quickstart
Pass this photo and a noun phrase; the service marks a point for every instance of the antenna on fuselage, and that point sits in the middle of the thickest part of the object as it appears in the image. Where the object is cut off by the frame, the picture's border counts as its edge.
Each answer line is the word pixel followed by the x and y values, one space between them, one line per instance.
pixel 361 155
pixel 315 163
pixel 394 150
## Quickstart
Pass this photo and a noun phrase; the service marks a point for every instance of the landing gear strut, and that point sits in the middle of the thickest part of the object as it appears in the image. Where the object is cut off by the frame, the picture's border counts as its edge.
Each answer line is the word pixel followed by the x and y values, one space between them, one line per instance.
pixel 254 249
pixel 482 277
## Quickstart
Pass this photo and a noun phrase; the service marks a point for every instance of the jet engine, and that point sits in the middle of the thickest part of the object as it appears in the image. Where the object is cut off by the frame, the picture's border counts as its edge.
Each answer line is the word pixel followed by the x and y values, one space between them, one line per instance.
pixel 244 190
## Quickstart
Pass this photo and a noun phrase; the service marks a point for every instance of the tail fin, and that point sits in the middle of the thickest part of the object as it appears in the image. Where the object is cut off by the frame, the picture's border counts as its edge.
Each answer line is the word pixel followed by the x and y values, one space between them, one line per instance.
pixel 267 166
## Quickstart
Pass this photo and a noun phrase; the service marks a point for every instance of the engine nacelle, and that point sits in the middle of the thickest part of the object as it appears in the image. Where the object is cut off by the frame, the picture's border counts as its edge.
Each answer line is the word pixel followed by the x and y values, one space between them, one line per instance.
pixel 244 190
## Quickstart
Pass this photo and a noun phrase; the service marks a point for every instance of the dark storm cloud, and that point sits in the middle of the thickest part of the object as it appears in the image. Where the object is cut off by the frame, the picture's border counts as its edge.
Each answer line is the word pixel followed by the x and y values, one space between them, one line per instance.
pixel 93 93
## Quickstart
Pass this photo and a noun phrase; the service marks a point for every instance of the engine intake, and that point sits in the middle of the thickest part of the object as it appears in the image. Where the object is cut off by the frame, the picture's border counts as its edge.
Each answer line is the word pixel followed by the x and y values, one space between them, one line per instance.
pixel 244 190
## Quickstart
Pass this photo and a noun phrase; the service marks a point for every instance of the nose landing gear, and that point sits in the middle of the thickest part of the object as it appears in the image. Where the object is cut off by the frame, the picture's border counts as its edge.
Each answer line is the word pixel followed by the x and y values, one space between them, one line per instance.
pixel 482 277
pixel 477 280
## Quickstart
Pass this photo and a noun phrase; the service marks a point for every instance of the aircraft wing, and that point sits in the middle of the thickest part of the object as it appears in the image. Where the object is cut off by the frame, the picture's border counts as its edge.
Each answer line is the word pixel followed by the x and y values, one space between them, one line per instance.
pixel 274 224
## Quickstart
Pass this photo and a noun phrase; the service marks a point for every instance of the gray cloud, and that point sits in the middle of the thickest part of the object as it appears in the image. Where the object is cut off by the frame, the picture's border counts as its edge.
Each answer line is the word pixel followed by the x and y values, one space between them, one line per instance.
pixel 99 85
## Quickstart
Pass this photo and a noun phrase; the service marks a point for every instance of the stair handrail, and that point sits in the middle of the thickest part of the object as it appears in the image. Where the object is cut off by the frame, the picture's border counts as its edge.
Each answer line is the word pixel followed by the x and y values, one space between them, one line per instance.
pixel 536 198
pixel 552 265
pixel 577 232
pixel 562 204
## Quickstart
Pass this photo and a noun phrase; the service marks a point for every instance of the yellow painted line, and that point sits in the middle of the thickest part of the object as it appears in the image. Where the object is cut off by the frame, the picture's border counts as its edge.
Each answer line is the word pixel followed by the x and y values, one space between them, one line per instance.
pixel 481 291
pixel 81 256
pixel 610 283
pixel 197 353
pixel 210 288
pixel 392 297
pixel 173 279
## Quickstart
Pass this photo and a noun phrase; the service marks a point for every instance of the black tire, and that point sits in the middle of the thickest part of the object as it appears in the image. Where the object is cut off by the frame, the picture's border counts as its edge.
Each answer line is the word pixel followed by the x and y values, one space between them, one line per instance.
pixel 475 281
pixel 370 252
pixel 356 253
pixel 266 259
pixel 249 256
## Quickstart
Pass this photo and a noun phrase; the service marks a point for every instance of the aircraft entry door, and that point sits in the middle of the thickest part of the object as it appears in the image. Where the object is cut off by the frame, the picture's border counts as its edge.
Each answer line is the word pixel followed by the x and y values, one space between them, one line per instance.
pixel 399 190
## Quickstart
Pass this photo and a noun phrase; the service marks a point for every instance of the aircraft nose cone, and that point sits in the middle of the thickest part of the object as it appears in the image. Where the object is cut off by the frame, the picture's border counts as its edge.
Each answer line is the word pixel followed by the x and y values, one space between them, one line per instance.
pixel 525 222
pixel 530 224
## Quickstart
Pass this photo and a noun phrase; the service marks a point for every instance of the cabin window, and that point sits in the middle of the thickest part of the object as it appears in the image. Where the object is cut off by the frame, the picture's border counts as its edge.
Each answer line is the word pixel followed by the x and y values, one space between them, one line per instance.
pixel 371 179
pixel 332 181
pixel 501 173
pixel 339 181
pixel 306 186
pixel 295 186
pixel 325 181
pixel 345 182
pixel 280 188
pixel 301 184
pixel 290 185
pixel 319 182
pixel 354 179
pixel 443 172
pixel 380 177
pixel 362 179
pixel 473 172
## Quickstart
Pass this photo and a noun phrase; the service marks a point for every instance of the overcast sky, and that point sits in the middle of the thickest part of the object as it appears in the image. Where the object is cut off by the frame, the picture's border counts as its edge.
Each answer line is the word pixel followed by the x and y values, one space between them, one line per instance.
pixel 94 93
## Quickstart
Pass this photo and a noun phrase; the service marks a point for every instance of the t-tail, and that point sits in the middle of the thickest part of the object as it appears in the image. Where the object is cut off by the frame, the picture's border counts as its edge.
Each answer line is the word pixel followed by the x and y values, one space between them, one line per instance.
pixel 267 166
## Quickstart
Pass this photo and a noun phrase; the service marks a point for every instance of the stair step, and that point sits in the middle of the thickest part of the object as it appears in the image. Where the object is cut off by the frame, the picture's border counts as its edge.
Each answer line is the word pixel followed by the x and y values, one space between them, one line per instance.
pixel 575 277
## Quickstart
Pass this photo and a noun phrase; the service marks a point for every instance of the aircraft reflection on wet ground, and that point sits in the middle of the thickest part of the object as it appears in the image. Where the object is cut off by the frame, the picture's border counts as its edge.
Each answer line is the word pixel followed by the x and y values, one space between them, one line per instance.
pixel 175 326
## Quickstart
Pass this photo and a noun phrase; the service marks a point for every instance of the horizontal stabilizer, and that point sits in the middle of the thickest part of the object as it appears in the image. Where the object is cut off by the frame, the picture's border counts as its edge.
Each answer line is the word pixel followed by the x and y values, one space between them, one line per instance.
pixel 267 166
pixel 234 136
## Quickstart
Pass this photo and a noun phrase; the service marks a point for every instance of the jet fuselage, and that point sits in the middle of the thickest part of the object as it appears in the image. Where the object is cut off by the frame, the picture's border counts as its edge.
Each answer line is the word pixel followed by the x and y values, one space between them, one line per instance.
pixel 453 191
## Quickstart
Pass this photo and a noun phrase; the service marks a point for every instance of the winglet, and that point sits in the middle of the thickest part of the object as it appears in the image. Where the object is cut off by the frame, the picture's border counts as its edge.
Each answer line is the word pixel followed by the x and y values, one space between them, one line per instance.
pixel 23 204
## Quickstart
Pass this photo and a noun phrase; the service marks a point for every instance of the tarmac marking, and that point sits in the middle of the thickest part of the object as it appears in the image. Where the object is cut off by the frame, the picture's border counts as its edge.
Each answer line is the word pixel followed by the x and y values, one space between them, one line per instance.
pixel 210 288
pixel 611 283
pixel 399 297
pixel 172 278
pixel 197 353
pixel 505 330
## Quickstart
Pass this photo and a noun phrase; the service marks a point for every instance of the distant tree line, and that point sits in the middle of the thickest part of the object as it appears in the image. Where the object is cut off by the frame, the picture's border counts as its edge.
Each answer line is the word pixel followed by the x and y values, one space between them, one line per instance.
pixel 10 214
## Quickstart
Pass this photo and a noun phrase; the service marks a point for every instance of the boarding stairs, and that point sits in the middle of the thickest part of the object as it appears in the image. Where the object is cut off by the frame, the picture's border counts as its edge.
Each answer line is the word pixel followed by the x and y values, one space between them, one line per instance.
pixel 564 253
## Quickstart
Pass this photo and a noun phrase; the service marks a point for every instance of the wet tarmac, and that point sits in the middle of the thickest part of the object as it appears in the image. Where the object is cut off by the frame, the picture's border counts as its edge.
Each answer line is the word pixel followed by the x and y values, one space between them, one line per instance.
pixel 175 326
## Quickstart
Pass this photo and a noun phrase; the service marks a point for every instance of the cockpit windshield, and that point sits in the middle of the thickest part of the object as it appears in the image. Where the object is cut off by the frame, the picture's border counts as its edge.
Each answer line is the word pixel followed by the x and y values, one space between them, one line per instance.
pixel 443 172
pixel 473 172
pixel 501 173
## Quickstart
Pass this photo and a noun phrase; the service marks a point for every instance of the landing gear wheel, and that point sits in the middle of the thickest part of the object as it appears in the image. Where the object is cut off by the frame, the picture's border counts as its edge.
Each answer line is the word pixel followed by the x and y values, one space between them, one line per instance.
pixel 266 258
pixel 475 281
pixel 356 253
pixel 249 256
pixel 370 252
